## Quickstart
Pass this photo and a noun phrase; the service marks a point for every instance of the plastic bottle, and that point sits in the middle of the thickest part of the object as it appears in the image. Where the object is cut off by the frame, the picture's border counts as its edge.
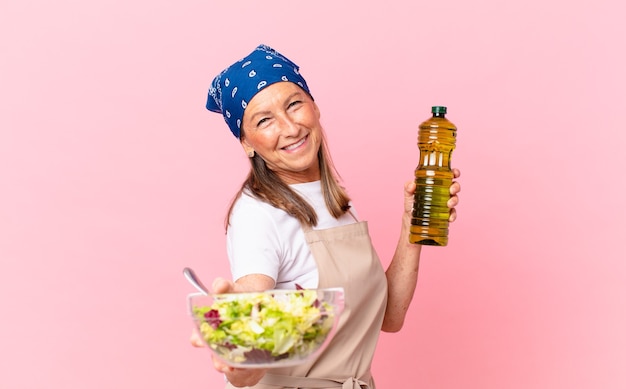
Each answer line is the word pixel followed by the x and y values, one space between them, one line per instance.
pixel 433 176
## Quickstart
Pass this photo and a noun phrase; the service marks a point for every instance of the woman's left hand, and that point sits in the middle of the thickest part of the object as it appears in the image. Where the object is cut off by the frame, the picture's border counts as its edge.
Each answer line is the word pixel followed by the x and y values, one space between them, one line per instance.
pixel 455 188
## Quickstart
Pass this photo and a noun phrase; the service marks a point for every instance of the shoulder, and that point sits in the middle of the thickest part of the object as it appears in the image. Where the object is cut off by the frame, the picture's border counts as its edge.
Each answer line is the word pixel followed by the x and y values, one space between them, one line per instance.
pixel 259 237
pixel 250 210
pixel 251 216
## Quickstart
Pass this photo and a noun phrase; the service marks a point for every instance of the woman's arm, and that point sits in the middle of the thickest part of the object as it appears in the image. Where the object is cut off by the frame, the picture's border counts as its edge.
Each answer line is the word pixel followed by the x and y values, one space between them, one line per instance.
pixel 402 271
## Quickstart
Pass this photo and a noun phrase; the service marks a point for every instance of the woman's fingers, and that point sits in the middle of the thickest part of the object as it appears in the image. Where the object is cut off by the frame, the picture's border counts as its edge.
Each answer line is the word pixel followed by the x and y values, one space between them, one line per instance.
pixel 222 285
pixel 409 192
pixel 453 201
pixel 221 366
pixel 238 377
pixel 196 340
pixel 452 215
pixel 409 188
pixel 455 188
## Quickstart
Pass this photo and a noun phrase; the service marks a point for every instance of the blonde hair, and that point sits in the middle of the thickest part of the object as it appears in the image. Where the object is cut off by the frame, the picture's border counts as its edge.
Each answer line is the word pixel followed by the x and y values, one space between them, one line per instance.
pixel 265 185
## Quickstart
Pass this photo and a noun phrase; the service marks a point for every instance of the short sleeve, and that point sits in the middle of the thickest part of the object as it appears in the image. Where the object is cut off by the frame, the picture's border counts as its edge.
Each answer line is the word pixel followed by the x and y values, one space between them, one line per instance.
pixel 252 240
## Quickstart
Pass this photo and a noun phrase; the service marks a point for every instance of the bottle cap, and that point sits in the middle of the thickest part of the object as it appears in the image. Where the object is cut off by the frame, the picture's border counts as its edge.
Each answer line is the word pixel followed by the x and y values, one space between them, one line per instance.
pixel 439 109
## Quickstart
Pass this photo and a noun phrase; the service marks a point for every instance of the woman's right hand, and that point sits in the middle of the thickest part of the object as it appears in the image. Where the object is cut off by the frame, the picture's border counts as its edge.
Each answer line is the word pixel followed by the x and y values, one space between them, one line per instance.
pixel 236 376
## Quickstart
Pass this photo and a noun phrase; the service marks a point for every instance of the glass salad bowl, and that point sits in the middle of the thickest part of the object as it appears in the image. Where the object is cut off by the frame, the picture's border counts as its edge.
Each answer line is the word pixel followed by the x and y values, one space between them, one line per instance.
pixel 269 329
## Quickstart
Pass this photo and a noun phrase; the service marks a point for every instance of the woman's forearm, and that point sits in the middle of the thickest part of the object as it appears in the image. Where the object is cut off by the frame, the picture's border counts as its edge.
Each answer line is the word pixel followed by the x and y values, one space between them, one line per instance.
pixel 401 279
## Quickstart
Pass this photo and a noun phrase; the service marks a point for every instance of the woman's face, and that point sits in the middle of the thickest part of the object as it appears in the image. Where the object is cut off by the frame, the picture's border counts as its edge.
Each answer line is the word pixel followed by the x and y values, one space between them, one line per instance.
pixel 282 124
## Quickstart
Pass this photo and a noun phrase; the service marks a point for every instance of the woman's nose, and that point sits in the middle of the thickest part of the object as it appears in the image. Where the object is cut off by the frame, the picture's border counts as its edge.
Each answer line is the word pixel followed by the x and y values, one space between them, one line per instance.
pixel 289 126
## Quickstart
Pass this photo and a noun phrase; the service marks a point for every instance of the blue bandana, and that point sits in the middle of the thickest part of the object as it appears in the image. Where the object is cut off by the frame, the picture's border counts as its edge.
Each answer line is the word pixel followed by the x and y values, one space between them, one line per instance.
pixel 236 85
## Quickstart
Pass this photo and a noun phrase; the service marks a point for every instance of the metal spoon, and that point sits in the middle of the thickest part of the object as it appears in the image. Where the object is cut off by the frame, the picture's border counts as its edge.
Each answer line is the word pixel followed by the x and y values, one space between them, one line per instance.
pixel 195 281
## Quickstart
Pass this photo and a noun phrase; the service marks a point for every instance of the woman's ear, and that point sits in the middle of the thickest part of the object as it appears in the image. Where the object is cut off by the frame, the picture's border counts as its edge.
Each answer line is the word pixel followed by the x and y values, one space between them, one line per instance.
pixel 317 110
pixel 249 150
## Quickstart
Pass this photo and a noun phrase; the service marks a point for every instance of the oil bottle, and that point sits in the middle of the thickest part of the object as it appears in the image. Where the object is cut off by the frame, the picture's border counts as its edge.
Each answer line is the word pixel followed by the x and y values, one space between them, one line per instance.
pixel 433 176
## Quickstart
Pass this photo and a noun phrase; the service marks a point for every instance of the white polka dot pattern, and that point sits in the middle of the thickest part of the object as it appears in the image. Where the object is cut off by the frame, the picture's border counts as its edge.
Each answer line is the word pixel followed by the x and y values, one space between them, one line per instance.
pixel 235 86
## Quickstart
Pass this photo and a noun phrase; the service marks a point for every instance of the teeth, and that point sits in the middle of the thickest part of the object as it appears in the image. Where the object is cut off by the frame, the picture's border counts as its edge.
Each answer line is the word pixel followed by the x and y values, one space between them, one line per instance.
pixel 293 146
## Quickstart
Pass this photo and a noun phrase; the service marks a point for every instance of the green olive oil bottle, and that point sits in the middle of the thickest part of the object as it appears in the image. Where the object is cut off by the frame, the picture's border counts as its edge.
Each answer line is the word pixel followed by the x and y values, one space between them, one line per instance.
pixel 433 176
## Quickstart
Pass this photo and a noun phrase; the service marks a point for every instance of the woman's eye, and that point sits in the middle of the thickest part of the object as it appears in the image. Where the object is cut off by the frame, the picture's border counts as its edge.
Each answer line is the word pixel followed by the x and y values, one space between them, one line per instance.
pixel 294 103
pixel 262 121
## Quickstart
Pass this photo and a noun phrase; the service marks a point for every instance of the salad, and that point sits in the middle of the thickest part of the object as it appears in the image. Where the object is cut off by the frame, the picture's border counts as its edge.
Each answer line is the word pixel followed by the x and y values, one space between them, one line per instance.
pixel 257 328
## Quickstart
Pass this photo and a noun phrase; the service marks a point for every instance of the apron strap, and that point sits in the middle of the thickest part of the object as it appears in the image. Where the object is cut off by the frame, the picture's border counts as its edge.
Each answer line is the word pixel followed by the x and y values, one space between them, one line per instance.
pixel 312 383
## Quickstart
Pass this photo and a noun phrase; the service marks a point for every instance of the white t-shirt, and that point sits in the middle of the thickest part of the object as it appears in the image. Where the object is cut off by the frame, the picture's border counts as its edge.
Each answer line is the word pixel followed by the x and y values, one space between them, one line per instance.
pixel 262 239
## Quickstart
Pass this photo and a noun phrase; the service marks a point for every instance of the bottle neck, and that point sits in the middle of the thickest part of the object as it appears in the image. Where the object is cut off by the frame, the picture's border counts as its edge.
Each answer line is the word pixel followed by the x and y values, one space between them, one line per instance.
pixel 439 115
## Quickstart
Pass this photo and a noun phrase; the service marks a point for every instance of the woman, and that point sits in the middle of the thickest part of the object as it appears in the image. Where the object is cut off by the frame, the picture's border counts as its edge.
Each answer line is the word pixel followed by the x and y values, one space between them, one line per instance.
pixel 292 223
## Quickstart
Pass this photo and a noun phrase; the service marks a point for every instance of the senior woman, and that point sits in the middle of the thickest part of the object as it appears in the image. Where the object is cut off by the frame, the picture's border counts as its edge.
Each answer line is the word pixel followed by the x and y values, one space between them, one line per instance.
pixel 293 223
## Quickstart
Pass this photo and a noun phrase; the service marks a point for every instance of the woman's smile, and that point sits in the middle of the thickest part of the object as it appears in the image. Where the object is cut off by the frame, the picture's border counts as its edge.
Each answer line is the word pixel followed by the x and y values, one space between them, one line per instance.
pixel 295 146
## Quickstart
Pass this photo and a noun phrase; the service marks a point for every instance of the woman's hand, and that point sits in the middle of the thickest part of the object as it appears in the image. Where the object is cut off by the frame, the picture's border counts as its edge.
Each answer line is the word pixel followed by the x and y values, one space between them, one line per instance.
pixel 236 376
pixel 220 285
pixel 455 188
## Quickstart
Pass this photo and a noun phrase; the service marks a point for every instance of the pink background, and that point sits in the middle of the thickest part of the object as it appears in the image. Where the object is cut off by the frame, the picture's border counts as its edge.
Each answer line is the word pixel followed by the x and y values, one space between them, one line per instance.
pixel 113 177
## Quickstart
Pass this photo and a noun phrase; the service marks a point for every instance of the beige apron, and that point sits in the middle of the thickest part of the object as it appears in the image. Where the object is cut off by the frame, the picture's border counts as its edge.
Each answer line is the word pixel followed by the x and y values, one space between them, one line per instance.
pixel 345 257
